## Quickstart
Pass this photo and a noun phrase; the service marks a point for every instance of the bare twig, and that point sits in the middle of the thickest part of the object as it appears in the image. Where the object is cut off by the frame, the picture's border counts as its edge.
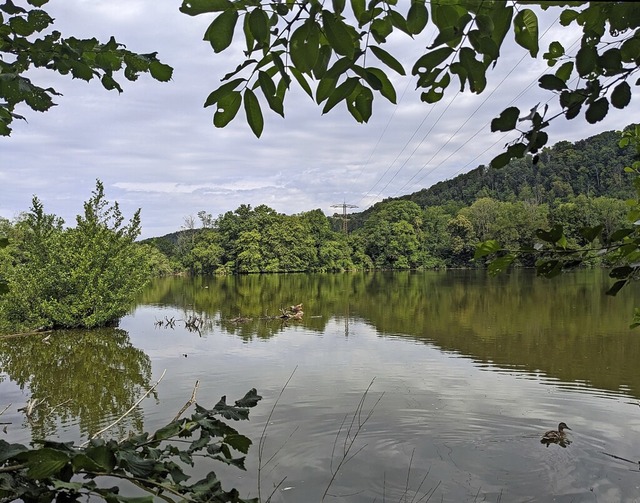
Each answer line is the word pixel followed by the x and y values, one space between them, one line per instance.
pixel 191 401
pixel 60 404
pixel 263 436
pixel 5 409
pixel 97 434
pixel 275 489
pixel 21 334
pixel 358 423
pixel 32 403
pixel 620 458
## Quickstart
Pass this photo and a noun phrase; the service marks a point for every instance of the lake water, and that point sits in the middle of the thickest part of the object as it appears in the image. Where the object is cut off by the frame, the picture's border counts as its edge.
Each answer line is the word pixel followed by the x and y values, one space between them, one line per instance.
pixel 464 374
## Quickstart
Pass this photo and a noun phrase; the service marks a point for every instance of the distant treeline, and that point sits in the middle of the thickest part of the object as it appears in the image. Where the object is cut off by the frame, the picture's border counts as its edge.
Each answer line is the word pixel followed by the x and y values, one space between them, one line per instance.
pixel 573 184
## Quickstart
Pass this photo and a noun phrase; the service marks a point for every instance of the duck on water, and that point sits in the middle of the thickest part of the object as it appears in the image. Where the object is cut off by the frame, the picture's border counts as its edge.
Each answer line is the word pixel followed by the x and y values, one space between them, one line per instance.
pixel 556 436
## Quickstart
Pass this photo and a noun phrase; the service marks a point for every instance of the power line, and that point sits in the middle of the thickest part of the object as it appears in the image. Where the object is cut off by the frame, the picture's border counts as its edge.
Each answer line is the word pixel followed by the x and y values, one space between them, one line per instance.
pixel 451 137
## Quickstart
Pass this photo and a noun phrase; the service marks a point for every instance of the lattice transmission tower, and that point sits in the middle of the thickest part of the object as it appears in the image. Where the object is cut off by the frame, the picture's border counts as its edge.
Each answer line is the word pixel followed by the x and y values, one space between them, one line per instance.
pixel 344 207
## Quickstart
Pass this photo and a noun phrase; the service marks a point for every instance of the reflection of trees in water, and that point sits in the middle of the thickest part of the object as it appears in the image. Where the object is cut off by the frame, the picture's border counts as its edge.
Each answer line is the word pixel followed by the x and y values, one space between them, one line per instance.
pixel 565 328
pixel 89 375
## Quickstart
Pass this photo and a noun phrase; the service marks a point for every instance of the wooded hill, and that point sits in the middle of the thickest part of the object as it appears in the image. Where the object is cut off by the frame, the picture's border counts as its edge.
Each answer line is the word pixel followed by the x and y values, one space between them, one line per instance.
pixel 593 167
pixel 573 184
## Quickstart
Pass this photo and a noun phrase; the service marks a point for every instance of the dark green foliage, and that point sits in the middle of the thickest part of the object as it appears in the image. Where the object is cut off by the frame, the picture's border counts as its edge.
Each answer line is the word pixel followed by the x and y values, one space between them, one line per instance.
pixel 328 46
pixel 593 167
pixel 21 49
pixel 84 276
pixel 155 463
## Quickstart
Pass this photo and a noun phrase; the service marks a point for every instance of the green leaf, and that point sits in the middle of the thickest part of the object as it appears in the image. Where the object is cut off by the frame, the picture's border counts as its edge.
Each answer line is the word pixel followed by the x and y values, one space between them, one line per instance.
pixel 338 34
pixel 555 51
pixel 135 464
pixel 611 61
pixel 220 31
pixel 586 59
pixel 431 60
pixel 259 25
pixel 567 16
pixel 565 70
pixel 597 110
pixel 475 70
pixel 500 264
pixel 43 463
pixel 551 236
pixel 525 27
pixel 387 59
pixel 358 7
pixel 432 96
pixel 620 234
pixel 622 272
pixel 253 112
pixel 621 95
pixel 387 90
pixel 548 268
pixel 195 7
pixel 381 29
pixel 630 50
pixel 222 91
pixel 8 451
pixel 514 151
pixel 250 399
pixel 238 442
pixel 506 121
pixel 616 287
pixel 160 71
pixel 301 80
pixel 362 106
pixel 168 431
pixel 305 47
pixel 417 18
pixel 487 248
pixel 227 109
pixel 340 93
pixel 552 83
pixel 103 456
pixel 325 87
pixel 338 6
pixel 591 233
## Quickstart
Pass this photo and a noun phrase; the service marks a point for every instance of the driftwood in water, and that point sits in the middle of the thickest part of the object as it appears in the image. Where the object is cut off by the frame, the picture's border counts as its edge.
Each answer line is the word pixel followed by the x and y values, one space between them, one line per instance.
pixel 292 312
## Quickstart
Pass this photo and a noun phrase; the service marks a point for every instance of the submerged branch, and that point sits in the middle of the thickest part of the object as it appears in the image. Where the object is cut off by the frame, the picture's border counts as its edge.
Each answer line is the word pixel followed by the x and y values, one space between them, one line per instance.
pixel 97 434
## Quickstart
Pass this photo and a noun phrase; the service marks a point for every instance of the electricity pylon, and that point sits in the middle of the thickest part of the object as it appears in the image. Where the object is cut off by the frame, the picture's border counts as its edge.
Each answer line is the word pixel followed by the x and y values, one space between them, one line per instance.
pixel 344 207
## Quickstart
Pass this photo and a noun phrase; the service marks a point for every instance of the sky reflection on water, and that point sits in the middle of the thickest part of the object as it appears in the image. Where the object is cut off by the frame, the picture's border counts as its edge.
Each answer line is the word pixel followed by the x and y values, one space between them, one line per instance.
pixel 454 419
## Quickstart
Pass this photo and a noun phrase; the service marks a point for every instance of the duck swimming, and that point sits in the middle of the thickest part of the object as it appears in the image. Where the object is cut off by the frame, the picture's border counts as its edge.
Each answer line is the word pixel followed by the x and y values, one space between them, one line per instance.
pixel 556 436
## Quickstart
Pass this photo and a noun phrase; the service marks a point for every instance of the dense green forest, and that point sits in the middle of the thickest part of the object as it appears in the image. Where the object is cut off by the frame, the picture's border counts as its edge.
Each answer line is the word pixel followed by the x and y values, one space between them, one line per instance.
pixel 577 185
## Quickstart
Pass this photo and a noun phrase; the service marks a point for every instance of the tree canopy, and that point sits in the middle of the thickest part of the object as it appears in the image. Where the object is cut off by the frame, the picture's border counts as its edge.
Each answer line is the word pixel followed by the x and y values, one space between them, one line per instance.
pixel 338 53
pixel 27 41
pixel 335 53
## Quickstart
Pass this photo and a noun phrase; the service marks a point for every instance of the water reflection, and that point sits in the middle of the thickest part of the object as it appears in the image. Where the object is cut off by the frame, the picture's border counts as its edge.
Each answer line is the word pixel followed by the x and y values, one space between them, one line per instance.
pixel 565 330
pixel 80 377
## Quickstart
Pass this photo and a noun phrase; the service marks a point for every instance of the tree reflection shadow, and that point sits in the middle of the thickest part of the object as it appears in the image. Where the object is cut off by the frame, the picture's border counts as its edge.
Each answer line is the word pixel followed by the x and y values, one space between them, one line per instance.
pixel 82 377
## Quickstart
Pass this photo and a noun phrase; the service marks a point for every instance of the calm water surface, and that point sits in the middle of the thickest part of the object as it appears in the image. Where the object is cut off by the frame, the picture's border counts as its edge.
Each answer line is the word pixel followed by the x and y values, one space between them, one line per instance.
pixel 464 373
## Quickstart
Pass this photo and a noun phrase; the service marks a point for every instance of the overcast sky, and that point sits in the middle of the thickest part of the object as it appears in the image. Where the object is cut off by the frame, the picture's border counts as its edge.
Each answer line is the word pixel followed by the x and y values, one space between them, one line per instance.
pixel 155 147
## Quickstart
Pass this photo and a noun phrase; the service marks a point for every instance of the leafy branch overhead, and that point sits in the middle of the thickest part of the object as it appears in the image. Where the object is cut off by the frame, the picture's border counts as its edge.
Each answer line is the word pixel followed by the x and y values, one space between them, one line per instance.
pixel 23 45
pixel 335 53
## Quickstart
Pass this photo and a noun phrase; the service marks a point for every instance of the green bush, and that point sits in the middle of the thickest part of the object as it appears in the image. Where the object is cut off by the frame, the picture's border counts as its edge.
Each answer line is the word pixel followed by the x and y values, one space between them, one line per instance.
pixel 81 277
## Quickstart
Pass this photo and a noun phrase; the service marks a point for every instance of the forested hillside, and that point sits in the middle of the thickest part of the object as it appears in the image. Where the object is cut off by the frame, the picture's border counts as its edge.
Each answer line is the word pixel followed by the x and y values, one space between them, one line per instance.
pixel 593 167
pixel 573 184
